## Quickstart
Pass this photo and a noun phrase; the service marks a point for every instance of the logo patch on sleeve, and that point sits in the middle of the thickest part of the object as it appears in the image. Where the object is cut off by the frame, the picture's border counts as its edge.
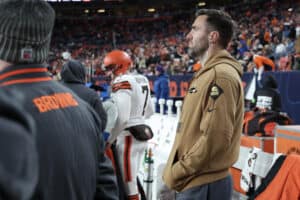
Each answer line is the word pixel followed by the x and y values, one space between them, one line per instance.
pixel 215 91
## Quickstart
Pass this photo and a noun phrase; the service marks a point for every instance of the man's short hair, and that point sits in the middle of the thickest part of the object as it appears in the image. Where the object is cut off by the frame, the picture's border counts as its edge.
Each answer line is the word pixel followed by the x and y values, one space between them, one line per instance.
pixel 220 21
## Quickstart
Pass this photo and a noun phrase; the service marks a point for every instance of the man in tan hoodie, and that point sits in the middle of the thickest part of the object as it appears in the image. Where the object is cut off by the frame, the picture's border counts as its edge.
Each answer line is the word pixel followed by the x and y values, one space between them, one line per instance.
pixel 208 133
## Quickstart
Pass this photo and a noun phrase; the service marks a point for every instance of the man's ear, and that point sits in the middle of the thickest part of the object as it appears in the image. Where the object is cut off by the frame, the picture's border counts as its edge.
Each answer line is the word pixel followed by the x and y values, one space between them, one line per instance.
pixel 213 36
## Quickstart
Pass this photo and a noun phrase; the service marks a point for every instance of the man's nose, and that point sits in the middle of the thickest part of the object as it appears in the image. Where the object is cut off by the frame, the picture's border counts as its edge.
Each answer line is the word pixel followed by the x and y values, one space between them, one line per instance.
pixel 188 37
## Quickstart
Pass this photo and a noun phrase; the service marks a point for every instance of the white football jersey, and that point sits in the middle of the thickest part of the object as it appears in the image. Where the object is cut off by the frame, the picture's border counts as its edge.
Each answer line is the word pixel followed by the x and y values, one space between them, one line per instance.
pixel 131 95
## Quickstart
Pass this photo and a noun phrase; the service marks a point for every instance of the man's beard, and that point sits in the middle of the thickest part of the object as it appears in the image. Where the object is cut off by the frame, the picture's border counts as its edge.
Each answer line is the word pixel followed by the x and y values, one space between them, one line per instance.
pixel 199 51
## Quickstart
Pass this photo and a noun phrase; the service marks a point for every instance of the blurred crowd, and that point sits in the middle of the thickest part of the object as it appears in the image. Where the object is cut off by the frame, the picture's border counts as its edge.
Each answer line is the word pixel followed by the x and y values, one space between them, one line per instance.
pixel 271 29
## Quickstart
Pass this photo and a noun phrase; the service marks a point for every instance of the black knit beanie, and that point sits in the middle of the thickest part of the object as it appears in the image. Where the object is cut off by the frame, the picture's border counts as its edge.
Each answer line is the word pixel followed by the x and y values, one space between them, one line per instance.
pixel 25 30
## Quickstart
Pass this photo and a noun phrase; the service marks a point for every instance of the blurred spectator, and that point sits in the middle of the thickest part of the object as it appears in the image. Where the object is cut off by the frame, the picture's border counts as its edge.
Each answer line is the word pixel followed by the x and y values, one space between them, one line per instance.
pixel 280 49
pixel 66 56
pixel 261 64
pixel 297 43
pixel 161 87
pixel 89 39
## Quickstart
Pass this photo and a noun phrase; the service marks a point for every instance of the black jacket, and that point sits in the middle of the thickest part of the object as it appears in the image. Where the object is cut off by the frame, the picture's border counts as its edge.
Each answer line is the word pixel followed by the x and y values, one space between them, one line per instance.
pixel 69 144
pixel 18 156
pixel 73 76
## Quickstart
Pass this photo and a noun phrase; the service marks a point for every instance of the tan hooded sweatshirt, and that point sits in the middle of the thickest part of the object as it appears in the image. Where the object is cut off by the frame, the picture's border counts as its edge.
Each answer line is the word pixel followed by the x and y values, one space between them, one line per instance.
pixel 208 133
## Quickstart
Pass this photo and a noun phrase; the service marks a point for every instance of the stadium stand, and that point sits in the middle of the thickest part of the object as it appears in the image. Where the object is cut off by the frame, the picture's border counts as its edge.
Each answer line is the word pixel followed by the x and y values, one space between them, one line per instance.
pixel 267 28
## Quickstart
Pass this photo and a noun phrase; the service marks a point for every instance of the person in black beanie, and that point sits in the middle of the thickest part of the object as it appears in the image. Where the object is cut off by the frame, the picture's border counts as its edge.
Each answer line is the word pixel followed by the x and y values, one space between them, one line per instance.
pixel 73 76
pixel 69 142
pixel 18 156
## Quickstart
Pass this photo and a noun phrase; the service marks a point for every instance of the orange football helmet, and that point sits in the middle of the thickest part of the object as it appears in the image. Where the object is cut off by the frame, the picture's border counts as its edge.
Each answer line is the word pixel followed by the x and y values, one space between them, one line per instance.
pixel 117 61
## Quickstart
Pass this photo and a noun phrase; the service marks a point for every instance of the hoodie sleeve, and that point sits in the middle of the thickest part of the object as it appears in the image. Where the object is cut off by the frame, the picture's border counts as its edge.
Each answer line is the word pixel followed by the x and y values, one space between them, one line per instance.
pixel 18 157
pixel 19 166
pixel 106 180
pixel 98 106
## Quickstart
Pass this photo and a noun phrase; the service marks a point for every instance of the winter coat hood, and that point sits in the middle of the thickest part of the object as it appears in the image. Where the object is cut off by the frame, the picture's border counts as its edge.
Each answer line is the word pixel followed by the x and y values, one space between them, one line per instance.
pixel 73 72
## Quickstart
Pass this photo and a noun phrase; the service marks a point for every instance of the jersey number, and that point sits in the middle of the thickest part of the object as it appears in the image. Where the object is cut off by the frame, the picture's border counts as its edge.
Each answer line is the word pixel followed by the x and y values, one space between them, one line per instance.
pixel 145 89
